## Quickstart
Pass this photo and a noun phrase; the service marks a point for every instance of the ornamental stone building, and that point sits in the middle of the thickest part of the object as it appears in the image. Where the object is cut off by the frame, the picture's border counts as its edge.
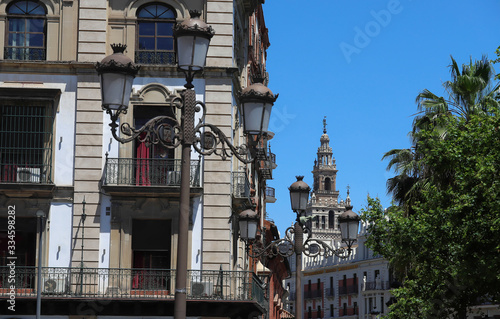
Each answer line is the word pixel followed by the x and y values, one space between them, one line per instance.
pixel 109 236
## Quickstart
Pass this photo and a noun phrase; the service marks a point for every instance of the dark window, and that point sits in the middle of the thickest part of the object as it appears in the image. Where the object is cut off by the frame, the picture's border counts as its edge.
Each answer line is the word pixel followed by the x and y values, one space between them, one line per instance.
pixel 328 184
pixel 26 130
pixel 331 219
pixel 155 39
pixel 319 312
pixel 26 32
pixel 331 310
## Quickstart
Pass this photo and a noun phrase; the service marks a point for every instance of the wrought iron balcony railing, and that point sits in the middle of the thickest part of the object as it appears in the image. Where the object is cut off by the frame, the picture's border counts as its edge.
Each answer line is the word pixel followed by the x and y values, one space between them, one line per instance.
pixel 330 292
pixel 351 289
pixel 148 172
pixel 241 185
pixel 155 57
pixel 311 294
pixel 376 285
pixel 270 191
pixel 130 284
pixel 18 53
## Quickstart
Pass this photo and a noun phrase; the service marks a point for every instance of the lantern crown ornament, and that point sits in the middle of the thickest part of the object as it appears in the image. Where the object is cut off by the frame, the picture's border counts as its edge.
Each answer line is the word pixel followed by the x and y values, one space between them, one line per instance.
pixel 193 38
pixel 194 26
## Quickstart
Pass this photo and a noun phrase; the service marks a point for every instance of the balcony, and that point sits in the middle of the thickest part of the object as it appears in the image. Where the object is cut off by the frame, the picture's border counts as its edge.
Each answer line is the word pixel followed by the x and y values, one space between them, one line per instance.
pixel 312 294
pixel 347 290
pixel 266 161
pixel 234 291
pixel 155 57
pixel 132 176
pixel 349 311
pixel 241 190
pixel 270 195
pixel 330 292
pixel 21 53
pixel 376 285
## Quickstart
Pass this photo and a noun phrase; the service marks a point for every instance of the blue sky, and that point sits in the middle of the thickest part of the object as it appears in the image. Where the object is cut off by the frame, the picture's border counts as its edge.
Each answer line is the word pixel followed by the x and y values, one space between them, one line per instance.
pixel 361 64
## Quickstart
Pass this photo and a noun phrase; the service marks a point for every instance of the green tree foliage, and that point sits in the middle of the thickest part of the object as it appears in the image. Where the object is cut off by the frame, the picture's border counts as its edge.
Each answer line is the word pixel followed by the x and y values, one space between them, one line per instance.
pixel 471 91
pixel 443 237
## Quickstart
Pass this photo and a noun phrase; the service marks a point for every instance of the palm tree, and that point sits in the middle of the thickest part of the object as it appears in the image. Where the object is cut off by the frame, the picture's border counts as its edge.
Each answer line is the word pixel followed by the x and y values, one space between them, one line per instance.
pixel 470 92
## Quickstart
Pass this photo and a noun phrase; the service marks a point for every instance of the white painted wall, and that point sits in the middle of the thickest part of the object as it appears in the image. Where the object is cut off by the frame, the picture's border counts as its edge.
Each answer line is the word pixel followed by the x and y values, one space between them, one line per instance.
pixel 65 119
pixel 61 221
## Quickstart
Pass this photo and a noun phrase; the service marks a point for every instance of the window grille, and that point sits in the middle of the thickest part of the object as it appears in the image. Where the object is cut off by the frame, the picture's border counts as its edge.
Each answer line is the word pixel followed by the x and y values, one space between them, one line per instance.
pixel 26 133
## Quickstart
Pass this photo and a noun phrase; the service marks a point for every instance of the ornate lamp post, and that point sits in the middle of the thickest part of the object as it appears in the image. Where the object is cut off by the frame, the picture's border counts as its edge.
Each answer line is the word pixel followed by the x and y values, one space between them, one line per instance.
pixel 117 72
pixel 294 242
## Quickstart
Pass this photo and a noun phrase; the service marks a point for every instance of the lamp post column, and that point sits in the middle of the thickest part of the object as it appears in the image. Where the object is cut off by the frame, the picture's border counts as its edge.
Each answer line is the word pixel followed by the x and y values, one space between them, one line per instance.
pixel 41 219
pixel 188 110
pixel 299 247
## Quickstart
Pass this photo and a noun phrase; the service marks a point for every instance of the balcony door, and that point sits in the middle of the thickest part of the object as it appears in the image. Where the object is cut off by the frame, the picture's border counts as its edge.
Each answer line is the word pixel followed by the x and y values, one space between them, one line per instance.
pixel 153 161
pixel 23 248
pixel 151 253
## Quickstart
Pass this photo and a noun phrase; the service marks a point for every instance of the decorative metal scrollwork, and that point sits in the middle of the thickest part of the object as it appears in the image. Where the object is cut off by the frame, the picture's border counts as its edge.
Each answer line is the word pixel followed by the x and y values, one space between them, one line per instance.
pixel 168 132
pixel 288 246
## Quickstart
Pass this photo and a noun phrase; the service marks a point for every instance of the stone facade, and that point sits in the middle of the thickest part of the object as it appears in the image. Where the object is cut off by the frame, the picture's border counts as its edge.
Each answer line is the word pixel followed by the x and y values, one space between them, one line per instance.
pixel 95 211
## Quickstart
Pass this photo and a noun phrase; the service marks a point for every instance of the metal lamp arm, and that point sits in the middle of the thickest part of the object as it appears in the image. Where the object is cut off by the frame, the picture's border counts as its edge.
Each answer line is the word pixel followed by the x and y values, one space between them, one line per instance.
pixel 280 247
pixel 164 130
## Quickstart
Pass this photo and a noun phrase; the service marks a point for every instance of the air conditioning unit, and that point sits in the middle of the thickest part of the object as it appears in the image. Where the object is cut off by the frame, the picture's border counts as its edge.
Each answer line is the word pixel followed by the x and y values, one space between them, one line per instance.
pixel 55 285
pixel 28 175
pixel 202 288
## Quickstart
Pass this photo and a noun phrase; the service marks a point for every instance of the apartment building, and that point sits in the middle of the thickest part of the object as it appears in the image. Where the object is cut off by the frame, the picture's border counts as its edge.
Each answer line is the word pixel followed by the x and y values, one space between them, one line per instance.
pixel 108 212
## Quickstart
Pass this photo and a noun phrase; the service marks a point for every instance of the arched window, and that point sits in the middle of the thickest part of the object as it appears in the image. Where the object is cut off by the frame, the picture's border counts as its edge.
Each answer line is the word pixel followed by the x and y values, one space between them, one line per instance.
pixel 26 35
pixel 155 38
pixel 328 184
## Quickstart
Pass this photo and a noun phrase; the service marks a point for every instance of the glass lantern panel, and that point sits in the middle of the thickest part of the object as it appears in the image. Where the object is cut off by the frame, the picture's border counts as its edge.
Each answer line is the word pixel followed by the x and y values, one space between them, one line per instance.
pixel 192 52
pixel 116 88
pixel 353 229
pixel 252 113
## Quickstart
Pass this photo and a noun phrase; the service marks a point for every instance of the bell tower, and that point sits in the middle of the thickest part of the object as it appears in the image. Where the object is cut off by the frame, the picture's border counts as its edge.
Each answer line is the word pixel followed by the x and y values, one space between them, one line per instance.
pixel 325 170
pixel 324 204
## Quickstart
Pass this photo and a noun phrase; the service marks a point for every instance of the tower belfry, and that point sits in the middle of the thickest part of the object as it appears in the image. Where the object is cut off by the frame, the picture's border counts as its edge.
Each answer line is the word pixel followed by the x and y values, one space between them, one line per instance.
pixel 324 204
pixel 325 170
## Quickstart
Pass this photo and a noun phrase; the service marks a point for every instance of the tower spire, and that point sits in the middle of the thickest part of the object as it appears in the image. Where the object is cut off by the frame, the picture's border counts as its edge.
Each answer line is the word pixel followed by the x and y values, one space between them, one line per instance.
pixel 324 125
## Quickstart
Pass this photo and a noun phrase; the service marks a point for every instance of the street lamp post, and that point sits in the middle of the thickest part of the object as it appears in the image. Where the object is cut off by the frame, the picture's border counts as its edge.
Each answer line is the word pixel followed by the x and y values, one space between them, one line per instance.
pixel 84 216
pixel 294 242
pixel 40 214
pixel 117 72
